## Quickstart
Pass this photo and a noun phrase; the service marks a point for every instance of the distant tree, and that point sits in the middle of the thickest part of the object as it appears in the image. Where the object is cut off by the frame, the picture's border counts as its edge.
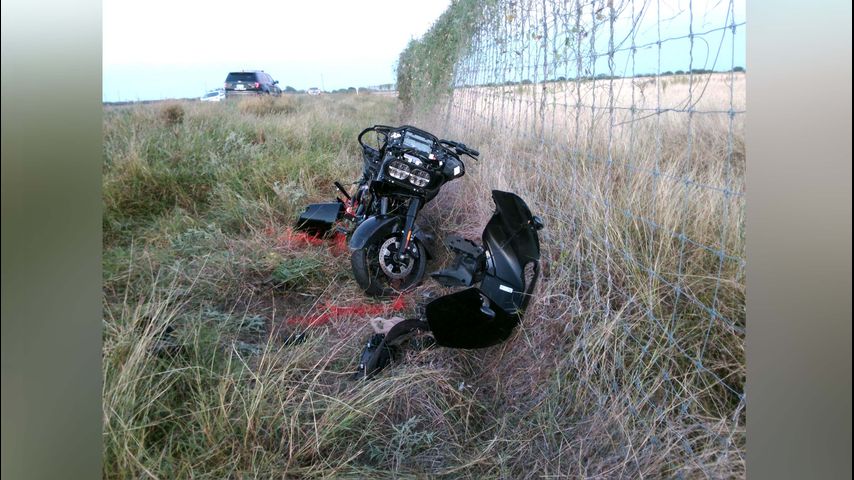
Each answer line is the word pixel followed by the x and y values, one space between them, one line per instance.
pixel 526 82
pixel 351 89
pixel 680 72
pixel 738 69
pixel 561 79
pixel 290 89
pixel 667 73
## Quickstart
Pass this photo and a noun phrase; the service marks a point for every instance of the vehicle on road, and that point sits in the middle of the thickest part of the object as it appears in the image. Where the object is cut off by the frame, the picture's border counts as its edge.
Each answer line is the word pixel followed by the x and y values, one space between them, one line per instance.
pixel 314 91
pixel 255 82
pixel 213 96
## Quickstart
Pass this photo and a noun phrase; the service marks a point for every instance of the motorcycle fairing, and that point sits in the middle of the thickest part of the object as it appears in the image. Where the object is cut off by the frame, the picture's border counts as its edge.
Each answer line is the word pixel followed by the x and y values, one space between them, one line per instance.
pixel 318 218
pixel 512 244
pixel 485 316
pixel 459 320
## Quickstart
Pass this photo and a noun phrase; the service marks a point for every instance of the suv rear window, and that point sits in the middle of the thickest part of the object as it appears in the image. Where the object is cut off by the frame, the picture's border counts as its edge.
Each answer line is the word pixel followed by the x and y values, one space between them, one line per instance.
pixel 240 77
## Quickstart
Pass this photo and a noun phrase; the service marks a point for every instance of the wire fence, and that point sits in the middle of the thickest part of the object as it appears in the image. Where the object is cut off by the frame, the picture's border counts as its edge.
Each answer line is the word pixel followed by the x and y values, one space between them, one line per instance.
pixel 622 121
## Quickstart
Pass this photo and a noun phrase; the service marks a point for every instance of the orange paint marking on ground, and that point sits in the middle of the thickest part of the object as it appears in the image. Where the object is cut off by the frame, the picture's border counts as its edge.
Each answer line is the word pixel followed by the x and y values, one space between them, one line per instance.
pixel 338 246
pixel 331 312
pixel 289 238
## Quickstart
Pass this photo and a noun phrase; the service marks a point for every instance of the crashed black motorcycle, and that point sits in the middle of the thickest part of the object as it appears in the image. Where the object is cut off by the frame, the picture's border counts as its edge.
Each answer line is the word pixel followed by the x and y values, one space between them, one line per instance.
pixel 404 168
pixel 499 272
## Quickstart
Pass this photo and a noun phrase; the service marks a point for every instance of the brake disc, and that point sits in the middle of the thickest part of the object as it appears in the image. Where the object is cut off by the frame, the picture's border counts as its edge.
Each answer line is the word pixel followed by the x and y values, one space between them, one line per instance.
pixel 390 265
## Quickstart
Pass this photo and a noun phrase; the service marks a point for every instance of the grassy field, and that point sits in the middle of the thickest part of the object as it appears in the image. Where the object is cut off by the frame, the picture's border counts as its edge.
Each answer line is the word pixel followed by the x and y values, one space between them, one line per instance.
pixel 202 380
pixel 638 328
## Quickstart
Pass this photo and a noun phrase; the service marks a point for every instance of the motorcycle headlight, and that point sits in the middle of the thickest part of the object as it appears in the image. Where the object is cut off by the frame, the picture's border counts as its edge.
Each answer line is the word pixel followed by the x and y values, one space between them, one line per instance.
pixel 398 170
pixel 419 178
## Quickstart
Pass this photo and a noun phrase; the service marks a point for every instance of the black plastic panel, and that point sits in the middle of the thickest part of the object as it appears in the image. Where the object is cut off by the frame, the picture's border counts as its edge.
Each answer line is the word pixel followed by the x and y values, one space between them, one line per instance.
pixel 318 218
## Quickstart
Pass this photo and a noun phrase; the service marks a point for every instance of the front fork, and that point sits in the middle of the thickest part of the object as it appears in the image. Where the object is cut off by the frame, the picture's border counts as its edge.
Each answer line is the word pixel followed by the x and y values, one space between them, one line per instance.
pixel 408 227
pixel 357 207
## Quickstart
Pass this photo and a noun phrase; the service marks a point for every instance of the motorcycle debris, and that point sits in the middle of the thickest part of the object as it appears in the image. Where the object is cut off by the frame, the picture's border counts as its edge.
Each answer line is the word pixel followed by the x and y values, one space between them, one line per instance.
pixel 383 325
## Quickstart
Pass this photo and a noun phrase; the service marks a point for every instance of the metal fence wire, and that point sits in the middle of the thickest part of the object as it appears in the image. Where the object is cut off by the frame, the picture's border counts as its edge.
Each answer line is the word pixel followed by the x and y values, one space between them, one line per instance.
pixel 622 122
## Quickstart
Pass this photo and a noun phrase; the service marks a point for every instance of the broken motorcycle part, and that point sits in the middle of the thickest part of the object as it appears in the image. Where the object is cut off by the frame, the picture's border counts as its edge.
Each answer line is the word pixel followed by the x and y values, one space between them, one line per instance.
pixel 506 266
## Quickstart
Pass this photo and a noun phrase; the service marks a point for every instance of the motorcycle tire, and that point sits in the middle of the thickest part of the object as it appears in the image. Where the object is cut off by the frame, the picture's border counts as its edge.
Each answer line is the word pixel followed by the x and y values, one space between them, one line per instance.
pixel 371 278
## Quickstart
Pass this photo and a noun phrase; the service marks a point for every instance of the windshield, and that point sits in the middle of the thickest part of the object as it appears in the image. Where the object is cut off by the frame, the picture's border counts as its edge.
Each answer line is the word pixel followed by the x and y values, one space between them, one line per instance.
pixel 423 145
pixel 240 77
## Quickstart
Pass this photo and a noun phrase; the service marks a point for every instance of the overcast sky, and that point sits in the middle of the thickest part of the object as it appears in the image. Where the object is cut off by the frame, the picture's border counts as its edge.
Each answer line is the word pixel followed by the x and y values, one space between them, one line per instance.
pixel 165 49
pixel 173 49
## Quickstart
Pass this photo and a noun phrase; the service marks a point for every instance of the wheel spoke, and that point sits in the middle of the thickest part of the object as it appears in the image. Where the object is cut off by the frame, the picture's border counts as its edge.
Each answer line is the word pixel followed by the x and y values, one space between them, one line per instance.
pixel 385 272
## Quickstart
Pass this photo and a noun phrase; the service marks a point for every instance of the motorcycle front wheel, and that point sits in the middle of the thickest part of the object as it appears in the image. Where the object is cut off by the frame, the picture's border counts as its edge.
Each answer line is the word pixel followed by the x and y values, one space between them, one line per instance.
pixel 380 274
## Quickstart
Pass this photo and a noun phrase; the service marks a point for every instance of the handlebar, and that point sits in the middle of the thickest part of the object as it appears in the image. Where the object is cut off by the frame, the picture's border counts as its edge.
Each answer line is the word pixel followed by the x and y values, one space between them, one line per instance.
pixel 461 148
pixel 383 129
pixel 457 148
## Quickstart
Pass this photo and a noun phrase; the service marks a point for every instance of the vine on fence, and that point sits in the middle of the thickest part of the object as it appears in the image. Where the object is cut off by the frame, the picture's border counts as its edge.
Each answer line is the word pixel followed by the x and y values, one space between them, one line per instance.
pixel 425 69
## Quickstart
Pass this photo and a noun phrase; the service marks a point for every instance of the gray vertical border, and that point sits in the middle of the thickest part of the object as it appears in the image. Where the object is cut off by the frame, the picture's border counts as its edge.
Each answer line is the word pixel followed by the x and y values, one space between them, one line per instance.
pixel 51 239
pixel 799 239
pixel 798 136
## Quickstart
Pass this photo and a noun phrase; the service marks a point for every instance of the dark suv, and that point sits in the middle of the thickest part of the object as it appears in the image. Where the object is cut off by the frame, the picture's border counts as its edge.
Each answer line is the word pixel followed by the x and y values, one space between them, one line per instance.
pixel 250 83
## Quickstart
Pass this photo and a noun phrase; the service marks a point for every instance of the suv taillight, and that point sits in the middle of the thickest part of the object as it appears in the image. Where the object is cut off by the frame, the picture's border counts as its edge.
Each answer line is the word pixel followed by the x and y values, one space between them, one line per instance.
pixel 257 85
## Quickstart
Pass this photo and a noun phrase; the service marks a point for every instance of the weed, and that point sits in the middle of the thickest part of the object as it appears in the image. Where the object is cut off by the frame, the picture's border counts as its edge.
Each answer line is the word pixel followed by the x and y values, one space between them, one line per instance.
pixel 172 115
pixel 297 271
pixel 268 105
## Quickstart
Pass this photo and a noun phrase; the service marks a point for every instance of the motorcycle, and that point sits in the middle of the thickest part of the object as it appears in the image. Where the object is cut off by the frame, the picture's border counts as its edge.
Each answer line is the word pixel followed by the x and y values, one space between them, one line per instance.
pixel 404 171
pixel 499 273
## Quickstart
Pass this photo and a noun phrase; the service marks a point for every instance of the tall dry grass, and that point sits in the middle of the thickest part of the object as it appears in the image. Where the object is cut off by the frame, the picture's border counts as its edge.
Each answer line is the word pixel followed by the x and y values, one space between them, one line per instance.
pixel 202 378
pixel 634 343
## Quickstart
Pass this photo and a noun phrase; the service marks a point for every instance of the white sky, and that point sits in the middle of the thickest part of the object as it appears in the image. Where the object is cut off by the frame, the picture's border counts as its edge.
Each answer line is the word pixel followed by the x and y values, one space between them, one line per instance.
pixel 181 48
pixel 157 48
